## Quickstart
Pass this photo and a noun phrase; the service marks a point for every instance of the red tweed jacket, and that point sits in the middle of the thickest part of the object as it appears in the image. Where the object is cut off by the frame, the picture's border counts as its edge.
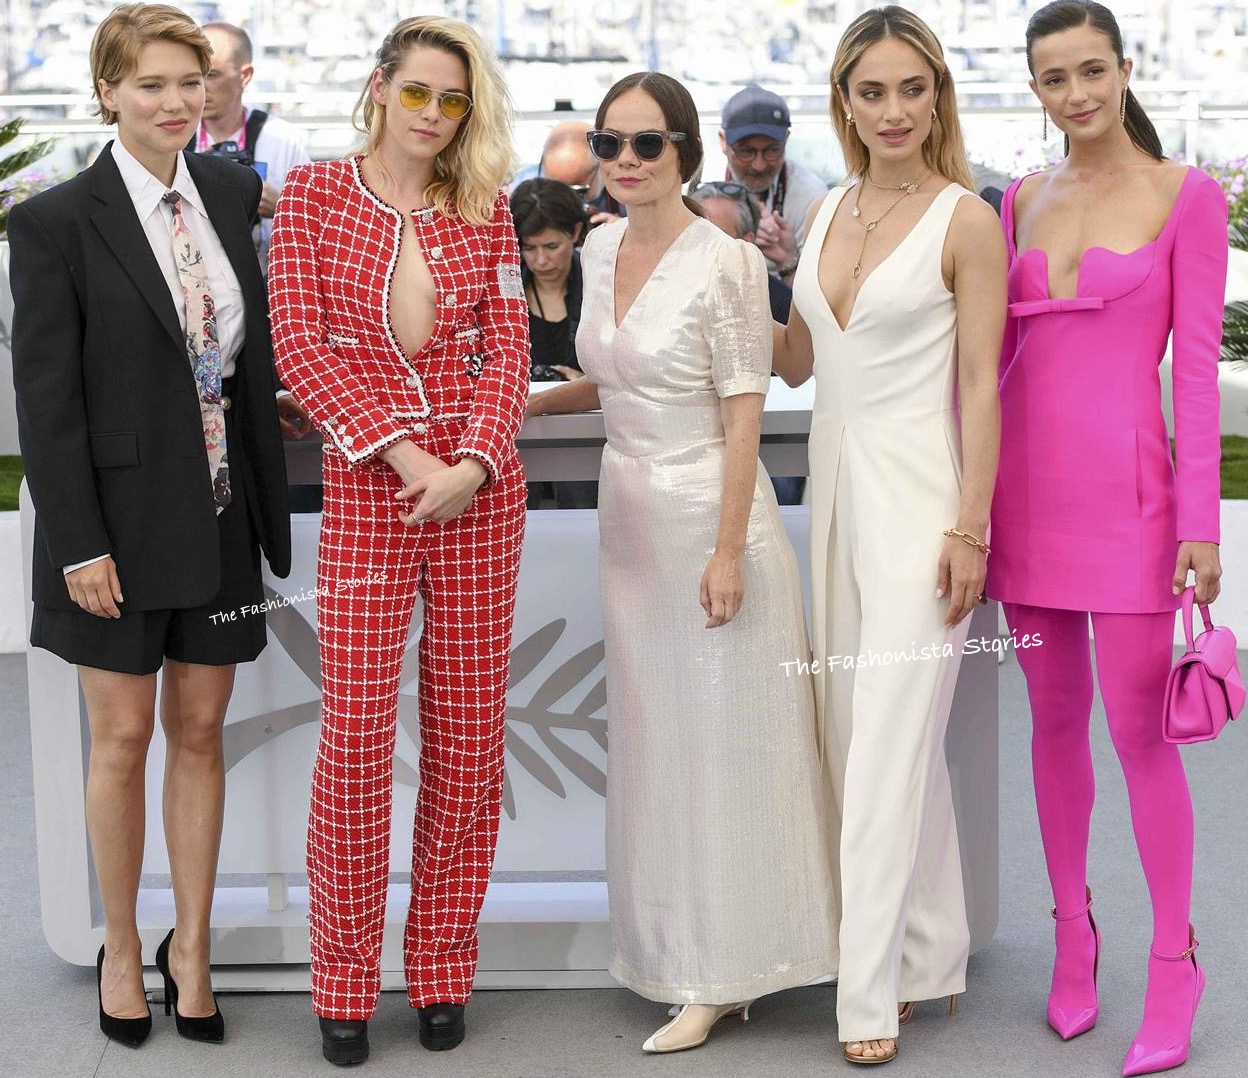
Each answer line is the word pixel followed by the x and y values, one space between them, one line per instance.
pixel 334 247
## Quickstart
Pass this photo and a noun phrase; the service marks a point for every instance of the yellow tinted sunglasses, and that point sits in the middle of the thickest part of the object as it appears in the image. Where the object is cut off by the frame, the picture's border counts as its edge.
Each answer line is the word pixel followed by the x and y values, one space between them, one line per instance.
pixel 415 96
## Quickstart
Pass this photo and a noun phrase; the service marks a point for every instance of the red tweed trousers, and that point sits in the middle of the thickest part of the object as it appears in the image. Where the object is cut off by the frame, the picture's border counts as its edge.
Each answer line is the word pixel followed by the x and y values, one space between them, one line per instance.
pixel 370 569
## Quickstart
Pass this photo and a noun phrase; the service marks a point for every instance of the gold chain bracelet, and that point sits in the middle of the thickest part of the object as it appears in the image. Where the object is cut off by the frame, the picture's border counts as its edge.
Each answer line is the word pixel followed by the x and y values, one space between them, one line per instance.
pixel 968 539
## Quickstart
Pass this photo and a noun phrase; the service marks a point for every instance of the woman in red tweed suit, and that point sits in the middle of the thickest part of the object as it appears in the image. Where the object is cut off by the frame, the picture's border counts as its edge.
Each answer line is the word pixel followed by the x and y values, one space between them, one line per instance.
pixel 399 322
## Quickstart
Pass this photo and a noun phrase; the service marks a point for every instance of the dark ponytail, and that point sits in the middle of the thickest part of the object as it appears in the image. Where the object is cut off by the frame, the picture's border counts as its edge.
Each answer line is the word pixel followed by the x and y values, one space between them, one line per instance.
pixel 1141 128
pixel 1069 14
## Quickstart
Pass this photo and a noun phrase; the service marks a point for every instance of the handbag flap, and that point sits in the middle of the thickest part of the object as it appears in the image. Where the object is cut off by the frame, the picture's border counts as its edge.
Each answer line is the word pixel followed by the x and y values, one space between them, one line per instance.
pixel 1215 648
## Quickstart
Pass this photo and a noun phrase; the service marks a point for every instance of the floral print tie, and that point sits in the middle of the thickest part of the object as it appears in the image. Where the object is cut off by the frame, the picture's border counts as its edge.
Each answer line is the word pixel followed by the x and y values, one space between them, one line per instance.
pixel 202 348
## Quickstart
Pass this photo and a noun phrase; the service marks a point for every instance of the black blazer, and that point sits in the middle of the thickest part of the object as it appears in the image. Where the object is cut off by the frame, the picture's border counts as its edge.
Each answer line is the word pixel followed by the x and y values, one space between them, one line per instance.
pixel 107 410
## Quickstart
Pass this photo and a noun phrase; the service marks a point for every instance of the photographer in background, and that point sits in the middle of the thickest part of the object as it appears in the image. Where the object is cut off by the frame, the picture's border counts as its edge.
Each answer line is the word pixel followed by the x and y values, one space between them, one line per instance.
pixel 551 221
pixel 267 143
pixel 272 147
pixel 733 208
pixel 754 138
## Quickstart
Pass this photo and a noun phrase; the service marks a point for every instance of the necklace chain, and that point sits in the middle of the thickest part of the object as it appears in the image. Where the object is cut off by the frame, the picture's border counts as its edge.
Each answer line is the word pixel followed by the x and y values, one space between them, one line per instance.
pixel 909 186
pixel 906 189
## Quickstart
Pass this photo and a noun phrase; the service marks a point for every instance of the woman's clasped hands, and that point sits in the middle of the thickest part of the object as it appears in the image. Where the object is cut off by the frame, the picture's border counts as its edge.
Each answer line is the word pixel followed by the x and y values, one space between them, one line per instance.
pixel 440 491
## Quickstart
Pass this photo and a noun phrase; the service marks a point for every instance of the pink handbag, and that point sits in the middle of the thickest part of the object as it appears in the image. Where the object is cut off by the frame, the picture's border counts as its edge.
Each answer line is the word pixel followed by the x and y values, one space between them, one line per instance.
pixel 1205 688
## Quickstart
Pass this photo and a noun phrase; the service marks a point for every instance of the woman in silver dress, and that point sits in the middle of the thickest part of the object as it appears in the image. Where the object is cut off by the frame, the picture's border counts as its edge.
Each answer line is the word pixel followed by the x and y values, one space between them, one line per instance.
pixel 717 867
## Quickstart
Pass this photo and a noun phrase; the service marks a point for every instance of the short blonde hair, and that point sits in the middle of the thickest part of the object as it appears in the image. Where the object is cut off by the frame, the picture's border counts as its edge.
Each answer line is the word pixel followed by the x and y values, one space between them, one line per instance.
pixel 125 31
pixel 469 172
pixel 944 152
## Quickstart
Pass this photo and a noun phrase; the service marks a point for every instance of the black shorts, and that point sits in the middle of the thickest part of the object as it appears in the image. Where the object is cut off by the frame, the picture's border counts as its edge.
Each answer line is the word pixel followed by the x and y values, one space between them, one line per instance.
pixel 139 642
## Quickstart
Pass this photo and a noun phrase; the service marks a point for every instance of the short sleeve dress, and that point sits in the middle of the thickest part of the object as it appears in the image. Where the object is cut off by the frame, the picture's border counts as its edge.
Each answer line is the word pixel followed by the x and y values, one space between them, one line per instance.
pixel 717 864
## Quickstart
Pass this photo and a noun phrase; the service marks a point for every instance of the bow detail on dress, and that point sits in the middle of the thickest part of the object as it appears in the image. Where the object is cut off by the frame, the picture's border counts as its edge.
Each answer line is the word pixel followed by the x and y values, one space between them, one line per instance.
pixel 1048 306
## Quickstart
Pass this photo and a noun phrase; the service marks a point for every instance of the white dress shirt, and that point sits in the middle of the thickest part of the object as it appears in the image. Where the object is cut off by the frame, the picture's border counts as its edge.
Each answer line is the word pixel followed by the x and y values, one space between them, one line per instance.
pixel 146 192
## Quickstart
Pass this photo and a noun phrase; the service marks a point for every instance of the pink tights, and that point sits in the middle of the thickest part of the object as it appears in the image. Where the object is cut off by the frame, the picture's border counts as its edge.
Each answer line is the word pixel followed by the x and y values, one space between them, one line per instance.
pixel 1133 656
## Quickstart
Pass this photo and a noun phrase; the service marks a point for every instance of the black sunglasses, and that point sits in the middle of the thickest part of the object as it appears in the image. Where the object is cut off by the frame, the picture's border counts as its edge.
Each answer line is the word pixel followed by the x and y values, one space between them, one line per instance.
pixel 647 145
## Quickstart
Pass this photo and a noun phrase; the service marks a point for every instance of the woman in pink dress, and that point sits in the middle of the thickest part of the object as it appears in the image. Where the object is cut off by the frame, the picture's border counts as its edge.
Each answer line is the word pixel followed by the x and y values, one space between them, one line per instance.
pixel 1111 251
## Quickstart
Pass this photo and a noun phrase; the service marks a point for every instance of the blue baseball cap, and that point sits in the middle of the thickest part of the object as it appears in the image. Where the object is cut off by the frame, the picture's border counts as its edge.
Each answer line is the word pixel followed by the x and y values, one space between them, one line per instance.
pixel 755 111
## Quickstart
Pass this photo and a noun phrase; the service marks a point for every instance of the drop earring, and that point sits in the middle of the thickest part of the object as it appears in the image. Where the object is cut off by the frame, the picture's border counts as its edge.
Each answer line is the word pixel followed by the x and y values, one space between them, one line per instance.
pixel 1122 112
pixel 1044 130
pixel 849 118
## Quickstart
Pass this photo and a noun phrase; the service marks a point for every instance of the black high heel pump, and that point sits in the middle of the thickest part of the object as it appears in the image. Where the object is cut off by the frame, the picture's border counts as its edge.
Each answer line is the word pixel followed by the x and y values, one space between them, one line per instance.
pixel 128 1031
pixel 210 1028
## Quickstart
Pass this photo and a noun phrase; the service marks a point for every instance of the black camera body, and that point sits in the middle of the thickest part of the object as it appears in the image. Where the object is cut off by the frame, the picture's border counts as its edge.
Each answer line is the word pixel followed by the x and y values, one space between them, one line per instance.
pixel 231 151
pixel 544 372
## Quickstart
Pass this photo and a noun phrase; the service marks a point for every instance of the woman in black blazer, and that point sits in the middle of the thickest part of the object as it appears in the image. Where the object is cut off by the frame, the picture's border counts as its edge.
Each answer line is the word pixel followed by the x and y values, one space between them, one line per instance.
pixel 140 548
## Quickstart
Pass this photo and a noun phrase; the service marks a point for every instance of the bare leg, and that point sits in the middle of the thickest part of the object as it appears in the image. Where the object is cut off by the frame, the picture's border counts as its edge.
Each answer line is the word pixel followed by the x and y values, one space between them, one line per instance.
pixel 192 712
pixel 121 713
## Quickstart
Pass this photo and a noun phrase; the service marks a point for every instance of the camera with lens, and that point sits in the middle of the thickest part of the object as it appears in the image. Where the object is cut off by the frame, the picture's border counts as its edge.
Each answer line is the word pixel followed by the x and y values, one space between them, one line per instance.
pixel 231 152
pixel 544 372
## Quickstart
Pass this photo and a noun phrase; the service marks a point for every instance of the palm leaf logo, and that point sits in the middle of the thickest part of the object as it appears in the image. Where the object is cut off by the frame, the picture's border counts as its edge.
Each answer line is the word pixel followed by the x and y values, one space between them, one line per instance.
pixel 537 733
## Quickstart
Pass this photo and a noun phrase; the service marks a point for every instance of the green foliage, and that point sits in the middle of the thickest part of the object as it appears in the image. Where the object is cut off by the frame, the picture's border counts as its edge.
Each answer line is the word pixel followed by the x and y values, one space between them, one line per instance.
pixel 1234 466
pixel 1233 176
pixel 1235 332
pixel 1235 315
pixel 10 481
pixel 10 165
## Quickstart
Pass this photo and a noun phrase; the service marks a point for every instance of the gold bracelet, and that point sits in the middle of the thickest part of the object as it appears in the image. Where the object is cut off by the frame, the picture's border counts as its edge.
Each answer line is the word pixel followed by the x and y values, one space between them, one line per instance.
pixel 968 539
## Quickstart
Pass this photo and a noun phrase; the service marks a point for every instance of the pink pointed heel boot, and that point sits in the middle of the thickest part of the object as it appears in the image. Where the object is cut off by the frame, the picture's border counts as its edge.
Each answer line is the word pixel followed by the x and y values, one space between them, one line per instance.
pixel 1165 1035
pixel 1074 1010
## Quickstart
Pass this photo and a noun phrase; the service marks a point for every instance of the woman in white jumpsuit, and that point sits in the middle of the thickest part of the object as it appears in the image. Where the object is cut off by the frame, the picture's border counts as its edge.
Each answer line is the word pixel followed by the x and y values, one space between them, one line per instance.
pixel 899 306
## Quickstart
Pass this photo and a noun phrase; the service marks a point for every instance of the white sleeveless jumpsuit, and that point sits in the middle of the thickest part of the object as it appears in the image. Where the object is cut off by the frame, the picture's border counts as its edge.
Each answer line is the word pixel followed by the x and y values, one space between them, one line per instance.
pixel 885 467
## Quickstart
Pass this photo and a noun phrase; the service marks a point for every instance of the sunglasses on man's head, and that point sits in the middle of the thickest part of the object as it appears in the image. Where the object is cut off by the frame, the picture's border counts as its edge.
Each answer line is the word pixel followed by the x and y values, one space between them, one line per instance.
pixel 647 145
pixel 727 188
pixel 415 96
pixel 736 192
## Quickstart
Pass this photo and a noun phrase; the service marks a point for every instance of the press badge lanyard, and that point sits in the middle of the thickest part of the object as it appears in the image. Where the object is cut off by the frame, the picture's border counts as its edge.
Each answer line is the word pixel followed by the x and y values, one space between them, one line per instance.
pixel 204 142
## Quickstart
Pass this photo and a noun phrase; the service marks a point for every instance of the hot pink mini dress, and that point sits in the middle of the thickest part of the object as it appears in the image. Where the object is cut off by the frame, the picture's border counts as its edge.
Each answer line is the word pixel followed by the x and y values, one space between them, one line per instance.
pixel 1087 513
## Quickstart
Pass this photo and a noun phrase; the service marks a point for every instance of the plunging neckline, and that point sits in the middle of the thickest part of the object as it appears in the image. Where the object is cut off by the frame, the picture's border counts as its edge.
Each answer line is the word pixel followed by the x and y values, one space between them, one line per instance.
pixel 1044 254
pixel 617 325
pixel 853 308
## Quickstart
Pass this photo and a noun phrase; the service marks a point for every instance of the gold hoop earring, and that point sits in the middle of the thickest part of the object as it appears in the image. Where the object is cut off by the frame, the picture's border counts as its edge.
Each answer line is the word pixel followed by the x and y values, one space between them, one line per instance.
pixel 1122 112
pixel 934 116
pixel 1044 130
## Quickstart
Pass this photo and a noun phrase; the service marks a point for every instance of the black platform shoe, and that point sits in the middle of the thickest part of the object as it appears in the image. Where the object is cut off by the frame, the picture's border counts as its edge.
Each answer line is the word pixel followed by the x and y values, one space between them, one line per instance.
pixel 441 1025
pixel 128 1031
pixel 344 1040
pixel 210 1028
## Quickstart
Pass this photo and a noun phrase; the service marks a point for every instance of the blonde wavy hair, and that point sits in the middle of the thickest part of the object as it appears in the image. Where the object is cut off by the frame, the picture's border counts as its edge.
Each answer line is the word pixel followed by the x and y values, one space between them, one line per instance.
pixel 121 37
pixel 944 150
pixel 479 159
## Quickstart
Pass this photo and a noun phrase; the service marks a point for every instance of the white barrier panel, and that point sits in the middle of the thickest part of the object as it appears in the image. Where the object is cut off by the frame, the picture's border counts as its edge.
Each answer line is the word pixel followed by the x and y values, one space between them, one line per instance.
pixel 545 917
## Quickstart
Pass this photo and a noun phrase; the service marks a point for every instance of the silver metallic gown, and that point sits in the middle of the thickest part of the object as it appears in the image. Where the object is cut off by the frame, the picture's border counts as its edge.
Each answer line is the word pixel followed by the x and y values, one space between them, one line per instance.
pixel 717 864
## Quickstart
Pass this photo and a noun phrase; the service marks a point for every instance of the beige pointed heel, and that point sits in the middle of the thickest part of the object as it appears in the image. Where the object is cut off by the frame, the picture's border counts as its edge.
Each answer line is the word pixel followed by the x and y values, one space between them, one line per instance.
pixel 692 1026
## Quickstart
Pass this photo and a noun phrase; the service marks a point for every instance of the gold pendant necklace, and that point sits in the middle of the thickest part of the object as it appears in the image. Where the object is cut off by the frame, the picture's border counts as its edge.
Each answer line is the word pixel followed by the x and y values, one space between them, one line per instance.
pixel 910 186
pixel 906 189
